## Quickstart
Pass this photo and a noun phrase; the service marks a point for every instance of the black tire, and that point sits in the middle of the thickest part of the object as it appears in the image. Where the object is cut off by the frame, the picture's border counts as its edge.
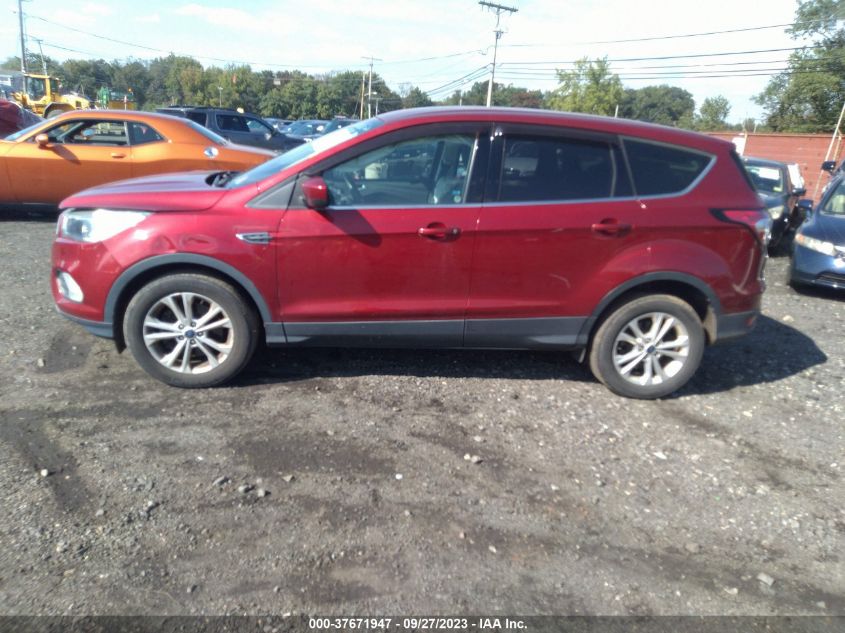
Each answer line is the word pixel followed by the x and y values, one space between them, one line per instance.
pixel 238 336
pixel 607 344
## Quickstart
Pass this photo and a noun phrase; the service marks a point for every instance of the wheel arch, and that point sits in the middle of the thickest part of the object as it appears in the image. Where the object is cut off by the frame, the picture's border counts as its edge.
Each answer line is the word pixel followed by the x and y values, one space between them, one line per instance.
pixel 686 287
pixel 147 270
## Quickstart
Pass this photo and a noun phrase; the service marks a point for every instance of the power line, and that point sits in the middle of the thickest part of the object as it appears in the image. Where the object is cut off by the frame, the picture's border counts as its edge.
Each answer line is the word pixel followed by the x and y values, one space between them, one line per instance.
pixel 685 56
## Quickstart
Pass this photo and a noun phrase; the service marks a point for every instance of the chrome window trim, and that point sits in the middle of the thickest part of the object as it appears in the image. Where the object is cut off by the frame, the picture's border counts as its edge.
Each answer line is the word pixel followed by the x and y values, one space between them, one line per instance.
pixel 683 148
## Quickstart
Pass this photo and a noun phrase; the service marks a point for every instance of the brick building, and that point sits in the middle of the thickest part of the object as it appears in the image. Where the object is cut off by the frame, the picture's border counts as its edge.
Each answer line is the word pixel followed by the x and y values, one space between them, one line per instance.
pixel 808 150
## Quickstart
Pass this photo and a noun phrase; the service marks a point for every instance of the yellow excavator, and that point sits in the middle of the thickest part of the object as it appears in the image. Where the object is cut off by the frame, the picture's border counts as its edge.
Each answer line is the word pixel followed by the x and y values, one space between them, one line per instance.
pixel 41 94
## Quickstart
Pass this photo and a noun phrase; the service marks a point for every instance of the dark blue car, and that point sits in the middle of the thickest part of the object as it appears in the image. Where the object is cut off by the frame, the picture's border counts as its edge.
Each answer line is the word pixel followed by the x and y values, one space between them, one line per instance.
pixel 818 257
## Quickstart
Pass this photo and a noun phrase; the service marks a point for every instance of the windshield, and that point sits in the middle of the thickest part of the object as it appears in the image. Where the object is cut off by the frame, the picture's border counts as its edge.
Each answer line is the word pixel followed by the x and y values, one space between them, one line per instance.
pixel 835 202
pixel 305 128
pixel 20 133
pixel 301 152
pixel 766 178
pixel 215 138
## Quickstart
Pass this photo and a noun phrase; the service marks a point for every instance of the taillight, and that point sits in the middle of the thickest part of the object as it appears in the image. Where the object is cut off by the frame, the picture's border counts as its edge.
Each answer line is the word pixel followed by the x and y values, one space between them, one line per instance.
pixel 757 220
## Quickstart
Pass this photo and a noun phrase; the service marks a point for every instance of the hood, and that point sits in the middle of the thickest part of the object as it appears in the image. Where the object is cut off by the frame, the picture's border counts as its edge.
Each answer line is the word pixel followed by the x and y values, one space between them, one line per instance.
pixel 826 227
pixel 772 199
pixel 186 191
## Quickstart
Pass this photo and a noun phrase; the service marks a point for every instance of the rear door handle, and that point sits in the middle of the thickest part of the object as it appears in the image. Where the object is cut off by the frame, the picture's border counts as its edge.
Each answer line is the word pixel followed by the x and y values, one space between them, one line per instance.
pixel 438 231
pixel 118 155
pixel 611 227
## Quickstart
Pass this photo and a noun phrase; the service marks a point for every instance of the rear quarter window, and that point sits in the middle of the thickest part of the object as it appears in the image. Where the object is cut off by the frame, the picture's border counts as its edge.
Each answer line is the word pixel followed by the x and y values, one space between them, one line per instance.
pixel 663 169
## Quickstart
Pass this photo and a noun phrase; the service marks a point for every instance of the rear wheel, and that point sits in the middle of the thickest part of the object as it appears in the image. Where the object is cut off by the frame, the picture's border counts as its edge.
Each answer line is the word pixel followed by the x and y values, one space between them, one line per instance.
pixel 648 347
pixel 190 330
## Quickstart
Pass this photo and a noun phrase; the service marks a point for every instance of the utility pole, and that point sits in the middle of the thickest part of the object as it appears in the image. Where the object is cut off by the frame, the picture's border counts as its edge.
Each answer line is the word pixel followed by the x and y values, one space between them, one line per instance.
pixel 498 9
pixel 361 114
pixel 370 86
pixel 23 37
pixel 41 52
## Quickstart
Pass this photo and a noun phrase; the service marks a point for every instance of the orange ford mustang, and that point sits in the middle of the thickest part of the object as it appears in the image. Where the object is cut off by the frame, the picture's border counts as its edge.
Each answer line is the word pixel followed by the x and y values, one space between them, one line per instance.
pixel 47 162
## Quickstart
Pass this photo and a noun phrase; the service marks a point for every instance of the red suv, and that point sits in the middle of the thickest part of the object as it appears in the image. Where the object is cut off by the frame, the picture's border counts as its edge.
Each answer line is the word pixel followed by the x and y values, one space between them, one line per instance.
pixel 634 244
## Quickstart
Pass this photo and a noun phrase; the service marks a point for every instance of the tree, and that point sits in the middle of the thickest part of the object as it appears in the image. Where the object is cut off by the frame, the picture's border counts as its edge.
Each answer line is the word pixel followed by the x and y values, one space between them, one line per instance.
pixel 713 114
pixel 416 98
pixel 666 105
pixel 589 87
pixel 808 96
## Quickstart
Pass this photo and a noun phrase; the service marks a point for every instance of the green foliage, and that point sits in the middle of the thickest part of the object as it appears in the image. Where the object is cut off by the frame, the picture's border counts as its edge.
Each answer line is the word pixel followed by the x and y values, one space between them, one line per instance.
pixel 590 87
pixel 713 114
pixel 416 98
pixel 808 97
pixel 507 96
pixel 666 105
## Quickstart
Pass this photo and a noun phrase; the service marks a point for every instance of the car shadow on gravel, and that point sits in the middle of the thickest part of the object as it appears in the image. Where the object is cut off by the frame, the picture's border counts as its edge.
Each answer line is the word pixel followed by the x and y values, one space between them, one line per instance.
pixel 293 364
pixel 772 351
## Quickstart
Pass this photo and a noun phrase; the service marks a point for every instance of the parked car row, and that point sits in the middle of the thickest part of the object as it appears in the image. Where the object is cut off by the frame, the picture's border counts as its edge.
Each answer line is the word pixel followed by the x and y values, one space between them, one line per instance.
pixel 237 127
pixel 818 254
pixel 54 158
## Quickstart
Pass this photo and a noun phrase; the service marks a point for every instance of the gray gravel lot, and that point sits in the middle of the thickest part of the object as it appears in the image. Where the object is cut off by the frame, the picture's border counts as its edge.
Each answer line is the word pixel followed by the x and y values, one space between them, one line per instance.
pixel 726 499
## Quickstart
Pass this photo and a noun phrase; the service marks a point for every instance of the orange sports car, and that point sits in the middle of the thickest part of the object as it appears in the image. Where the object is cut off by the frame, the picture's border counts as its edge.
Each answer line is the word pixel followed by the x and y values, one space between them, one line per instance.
pixel 49 161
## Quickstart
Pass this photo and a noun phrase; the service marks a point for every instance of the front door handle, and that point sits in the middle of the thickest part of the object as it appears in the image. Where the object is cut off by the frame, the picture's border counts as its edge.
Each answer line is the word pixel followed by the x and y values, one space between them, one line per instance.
pixel 118 155
pixel 439 231
pixel 611 227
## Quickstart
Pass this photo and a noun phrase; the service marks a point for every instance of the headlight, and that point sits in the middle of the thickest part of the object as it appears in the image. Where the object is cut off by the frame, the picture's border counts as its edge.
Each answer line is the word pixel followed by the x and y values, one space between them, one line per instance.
pixel 777 211
pixel 813 244
pixel 99 224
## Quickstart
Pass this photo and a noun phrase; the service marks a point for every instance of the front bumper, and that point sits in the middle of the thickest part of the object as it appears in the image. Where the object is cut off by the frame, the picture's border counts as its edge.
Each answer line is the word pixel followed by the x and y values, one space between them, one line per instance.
pixel 811 268
pixel 97 328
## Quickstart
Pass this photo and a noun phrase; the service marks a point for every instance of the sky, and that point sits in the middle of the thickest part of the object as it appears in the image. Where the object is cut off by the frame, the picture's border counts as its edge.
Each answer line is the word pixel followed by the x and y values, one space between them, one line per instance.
pixel 437 45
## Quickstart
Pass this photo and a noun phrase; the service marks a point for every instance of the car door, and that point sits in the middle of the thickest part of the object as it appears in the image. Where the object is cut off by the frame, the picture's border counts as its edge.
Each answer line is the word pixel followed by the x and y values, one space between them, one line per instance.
pixel 81 153
pixel 388 262
pixel 559 212
pixel 234 128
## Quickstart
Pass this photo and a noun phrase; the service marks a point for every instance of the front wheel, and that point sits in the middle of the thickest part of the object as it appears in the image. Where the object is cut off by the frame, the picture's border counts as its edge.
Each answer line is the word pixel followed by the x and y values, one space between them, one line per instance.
pixel 190 330
pixel 648 347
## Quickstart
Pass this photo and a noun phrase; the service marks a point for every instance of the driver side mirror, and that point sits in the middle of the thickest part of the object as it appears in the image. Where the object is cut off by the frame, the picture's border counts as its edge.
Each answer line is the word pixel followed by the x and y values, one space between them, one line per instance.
pixel 829 166
pixel 799 191
pixel 805 208
pixel 43 140
pixel 315 193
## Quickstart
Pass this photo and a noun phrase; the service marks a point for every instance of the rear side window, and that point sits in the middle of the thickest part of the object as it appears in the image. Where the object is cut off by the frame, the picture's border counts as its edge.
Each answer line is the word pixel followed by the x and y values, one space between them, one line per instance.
pixel 231 123
pixel 141 133
pixel 663 169
pixel 197 117
pixel 540 168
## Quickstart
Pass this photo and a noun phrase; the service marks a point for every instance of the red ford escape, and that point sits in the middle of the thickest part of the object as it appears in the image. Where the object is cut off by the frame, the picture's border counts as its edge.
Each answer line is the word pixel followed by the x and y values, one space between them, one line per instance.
pixel 635 244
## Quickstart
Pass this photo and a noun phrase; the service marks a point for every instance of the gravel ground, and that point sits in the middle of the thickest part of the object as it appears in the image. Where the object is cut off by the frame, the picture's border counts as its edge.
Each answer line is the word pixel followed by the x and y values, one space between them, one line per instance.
pixel 345 481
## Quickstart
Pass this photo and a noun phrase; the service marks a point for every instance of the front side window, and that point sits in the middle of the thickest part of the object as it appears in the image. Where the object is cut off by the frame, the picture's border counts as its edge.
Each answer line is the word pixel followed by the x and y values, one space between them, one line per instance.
pixel 539 168
pixel 432 170
pixel 36 87
pixel 89 133
pixel 663 169
pixel 260 127
pixel 198 117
